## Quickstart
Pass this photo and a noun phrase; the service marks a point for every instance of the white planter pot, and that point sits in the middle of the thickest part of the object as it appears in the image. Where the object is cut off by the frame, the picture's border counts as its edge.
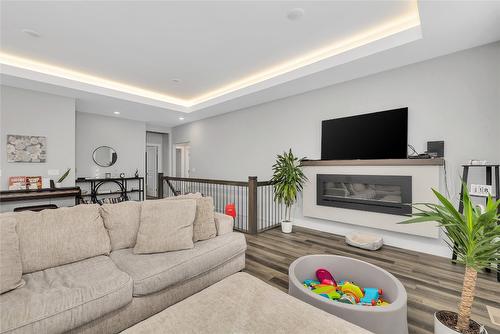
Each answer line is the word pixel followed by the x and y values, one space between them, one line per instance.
pixel 286 227
pixel 440 328
pixel 59 185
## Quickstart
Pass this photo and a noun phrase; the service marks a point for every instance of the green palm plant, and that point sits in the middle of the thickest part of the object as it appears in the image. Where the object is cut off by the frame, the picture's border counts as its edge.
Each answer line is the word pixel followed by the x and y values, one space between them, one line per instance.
pixel 288 180
pixel 474 235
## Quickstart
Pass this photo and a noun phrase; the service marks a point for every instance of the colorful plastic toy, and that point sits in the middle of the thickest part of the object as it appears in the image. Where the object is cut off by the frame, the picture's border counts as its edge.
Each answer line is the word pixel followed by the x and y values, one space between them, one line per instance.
pixel 350 288
pixel 329 282
pixel 319 289
pixel 345 291
pixel 334 295
pixel 382 302
pixel 311 282
pixel 347 299
pixel 323 274
pixel 371 296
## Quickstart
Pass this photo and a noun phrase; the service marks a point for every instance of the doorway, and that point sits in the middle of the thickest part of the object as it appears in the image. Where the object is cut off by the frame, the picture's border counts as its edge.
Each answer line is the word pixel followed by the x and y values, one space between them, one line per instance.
pixel 157 161
pixel 151 171
pixel 182 156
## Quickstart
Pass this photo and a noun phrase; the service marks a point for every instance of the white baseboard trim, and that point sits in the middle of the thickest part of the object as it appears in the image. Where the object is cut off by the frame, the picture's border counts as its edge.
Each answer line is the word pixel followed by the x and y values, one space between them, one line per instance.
pixel 415 243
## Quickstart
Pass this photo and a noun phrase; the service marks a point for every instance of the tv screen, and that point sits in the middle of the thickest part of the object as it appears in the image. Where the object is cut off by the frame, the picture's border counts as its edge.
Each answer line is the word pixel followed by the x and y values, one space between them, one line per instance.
pixel 379 135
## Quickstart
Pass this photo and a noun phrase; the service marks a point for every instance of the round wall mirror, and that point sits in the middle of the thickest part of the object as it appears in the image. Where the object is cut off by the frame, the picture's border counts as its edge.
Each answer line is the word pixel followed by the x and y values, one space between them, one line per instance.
pixel 104 156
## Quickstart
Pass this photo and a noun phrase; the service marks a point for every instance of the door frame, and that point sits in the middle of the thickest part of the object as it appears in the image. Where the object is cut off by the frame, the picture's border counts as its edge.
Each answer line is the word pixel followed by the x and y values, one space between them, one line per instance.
pixel 158 165
pixel 184 147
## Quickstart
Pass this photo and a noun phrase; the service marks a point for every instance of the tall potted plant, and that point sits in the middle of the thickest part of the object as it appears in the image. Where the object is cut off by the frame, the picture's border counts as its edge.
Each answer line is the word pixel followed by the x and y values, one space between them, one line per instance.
pixel 288 180
pixel 475 236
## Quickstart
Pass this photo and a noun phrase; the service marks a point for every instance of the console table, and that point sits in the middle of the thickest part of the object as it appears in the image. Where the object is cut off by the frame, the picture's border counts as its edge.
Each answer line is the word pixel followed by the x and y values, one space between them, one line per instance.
pixel 121 183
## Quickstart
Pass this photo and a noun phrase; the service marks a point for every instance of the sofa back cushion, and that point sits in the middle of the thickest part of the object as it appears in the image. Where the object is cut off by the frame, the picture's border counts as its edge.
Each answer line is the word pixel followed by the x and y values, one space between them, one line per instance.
pixel 165 226
pixel 122 222
pixel 11 268
pixel 204 222
pixel 55 237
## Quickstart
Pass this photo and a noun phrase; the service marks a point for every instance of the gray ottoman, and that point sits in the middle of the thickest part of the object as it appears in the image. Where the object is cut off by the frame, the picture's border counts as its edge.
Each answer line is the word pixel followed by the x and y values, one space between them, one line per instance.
pixel 378 319
pixel 245 305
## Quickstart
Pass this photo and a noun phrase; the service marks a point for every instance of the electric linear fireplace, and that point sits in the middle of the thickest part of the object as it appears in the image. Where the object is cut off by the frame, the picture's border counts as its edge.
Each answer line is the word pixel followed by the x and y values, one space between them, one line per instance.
pixel 377 193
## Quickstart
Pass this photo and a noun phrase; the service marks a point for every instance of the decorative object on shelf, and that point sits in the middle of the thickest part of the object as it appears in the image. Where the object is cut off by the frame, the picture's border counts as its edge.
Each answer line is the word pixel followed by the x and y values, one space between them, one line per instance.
pixel 17 182
pixel 476 244
pixel 25 182
pixel 107 175
pixel 122 175
pixel 104 156
pixel 136 174
pixel 22 148
pixel 33 182
pixel 62 178
pixel 288 180
pixel 45 182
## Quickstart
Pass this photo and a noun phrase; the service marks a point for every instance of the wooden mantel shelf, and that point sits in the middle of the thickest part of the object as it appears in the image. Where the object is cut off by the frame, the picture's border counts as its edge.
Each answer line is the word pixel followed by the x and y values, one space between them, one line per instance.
pixel 375 162
pixel 39 194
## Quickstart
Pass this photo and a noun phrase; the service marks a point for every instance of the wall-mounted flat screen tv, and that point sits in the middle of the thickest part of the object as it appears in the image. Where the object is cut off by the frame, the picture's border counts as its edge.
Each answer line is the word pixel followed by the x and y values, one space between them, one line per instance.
pixel 379 135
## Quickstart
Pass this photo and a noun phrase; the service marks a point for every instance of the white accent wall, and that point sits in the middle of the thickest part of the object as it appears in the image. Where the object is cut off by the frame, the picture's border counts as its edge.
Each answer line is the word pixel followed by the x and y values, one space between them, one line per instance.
pixel 455 98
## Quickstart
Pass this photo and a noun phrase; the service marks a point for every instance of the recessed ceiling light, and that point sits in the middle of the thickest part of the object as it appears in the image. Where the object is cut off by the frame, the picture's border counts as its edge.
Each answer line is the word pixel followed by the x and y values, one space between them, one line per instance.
pixel 176 80
pixel 295 14
pixel 116 112
pixel 31 33
pixel 181 118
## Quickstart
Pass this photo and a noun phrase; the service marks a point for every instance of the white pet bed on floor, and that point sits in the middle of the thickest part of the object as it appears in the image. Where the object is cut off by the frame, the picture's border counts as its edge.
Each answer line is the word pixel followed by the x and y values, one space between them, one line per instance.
pixel 364 240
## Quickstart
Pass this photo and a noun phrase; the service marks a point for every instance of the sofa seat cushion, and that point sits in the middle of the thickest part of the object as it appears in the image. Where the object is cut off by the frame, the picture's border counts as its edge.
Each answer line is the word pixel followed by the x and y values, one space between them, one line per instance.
pixel 61 298
pixel 155 272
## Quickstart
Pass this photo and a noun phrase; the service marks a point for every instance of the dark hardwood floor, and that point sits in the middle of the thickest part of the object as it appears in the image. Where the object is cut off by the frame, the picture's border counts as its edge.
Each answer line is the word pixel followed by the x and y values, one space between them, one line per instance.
pixel 432 282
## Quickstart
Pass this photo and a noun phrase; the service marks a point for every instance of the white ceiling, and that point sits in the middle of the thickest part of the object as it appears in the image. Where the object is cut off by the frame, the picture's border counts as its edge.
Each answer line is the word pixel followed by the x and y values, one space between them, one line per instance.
pixel 124 55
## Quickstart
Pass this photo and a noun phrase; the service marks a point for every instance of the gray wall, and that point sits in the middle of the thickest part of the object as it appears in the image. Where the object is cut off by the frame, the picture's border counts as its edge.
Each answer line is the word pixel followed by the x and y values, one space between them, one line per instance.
pixel 455 98
pixel 26 112
pixel 128 138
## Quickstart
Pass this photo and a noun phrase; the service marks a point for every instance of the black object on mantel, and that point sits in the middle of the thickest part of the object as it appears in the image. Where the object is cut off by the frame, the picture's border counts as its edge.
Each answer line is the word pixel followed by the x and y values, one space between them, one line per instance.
pixel 465 176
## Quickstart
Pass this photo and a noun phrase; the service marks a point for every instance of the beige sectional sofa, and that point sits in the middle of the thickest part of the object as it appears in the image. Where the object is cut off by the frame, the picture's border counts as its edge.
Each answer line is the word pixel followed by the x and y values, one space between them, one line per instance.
pixel 80 272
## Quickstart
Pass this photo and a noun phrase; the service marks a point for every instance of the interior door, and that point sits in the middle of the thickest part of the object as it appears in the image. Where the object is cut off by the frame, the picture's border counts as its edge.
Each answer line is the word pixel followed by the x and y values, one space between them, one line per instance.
pixel 152 171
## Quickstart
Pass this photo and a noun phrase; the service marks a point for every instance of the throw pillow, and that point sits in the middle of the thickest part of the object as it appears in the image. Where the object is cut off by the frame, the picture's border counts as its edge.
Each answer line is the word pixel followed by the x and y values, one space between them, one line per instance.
pixel 11 268
pixel 204 222
pixel 122 222
pixel 165 226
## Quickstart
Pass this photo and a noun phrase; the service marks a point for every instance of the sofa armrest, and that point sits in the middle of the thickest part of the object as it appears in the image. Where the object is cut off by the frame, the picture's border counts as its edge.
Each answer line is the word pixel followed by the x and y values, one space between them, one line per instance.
pixel 223 223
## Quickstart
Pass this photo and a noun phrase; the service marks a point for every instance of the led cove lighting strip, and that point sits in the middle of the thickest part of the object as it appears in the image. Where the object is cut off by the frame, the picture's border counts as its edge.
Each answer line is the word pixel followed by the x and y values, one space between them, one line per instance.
pixel 388 29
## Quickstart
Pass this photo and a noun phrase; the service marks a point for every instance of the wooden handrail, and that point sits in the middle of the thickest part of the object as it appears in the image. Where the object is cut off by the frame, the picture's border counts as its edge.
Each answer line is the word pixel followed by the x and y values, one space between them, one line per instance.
pixel 210 181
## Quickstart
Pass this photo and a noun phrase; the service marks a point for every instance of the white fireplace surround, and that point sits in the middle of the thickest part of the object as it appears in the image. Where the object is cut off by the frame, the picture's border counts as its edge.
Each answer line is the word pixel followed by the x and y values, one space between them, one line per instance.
pixel 425 175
